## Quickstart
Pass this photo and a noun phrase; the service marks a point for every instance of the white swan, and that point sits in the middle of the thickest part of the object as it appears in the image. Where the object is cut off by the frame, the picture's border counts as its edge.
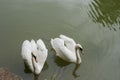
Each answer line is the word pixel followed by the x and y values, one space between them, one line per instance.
pixel 34 55
pixel 67 49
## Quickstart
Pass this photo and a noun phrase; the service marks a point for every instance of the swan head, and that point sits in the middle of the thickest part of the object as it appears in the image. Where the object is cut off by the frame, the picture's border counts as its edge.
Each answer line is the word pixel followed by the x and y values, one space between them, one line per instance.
pixel 78 49
pixel 78 46
pixel 34 56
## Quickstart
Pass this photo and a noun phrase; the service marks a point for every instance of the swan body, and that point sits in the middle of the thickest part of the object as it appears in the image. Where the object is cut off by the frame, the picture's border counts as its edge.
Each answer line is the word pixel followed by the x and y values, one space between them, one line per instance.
pixel 34 55
pixel 67 49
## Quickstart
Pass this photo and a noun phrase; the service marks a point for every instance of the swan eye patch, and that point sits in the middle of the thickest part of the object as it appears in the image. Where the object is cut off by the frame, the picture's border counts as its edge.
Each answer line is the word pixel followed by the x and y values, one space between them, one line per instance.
pixel 81 49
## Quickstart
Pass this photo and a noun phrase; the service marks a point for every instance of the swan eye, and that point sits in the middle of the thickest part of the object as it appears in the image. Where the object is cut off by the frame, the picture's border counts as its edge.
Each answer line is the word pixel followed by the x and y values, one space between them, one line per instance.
pixel 81 49
pixel 34 56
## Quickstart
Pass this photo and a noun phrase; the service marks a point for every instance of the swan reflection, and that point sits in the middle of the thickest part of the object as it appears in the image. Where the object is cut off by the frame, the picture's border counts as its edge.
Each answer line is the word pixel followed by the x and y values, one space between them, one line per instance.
pixel 63 64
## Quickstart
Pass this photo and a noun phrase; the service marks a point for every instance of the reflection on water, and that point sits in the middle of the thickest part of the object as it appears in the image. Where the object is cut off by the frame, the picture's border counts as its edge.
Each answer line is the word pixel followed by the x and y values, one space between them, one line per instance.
pixel 75 69
pixel 106 12
pixel 61 63
pixel 28 71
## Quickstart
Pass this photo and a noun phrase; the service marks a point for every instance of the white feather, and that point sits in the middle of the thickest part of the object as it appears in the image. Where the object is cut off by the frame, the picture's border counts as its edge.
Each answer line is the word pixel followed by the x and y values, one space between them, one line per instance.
pixel 65 48
pixel 40 52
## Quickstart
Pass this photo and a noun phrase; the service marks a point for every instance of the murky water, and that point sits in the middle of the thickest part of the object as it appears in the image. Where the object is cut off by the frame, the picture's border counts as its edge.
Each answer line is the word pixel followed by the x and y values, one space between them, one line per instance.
pixel 95 24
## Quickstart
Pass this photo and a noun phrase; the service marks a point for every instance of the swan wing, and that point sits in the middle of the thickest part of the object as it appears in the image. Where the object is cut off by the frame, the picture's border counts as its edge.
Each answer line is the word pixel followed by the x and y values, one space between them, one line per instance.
pixel 69 42
pixel 57 43
pixel 41 45
pixel 26 53
pixel 68 55
pixel 26 50
pixel 67 39
pixel 61 50
pixel 41 56
pixel 42 51
pixel 33 45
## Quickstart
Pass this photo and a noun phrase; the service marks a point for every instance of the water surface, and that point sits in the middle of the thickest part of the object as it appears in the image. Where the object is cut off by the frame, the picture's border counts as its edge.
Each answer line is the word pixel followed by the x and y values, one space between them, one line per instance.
pixel 95 24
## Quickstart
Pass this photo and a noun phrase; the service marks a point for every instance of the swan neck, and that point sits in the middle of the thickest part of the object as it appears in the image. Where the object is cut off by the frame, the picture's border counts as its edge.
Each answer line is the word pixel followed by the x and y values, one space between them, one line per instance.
pixel 77 54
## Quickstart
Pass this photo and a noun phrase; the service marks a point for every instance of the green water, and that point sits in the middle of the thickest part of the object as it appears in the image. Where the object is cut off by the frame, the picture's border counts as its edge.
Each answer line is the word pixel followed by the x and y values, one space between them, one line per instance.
pixel 95 24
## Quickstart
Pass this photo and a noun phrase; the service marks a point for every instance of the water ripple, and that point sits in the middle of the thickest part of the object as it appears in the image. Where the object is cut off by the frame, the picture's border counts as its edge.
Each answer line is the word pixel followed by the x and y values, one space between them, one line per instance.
pixel 106 12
